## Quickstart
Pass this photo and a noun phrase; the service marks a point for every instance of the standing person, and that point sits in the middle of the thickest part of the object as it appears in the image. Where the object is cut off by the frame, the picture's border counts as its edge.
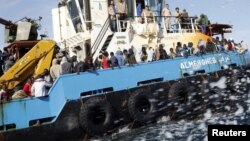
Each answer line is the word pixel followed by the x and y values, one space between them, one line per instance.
pixel 79 67
pixel 172 53
pixel 177 17
pixel 210 46
pixel 54 69
pixel 121 9
pixel 150 53
pixel 105 61
pixel 201 46
pixel 125 56
pixel 144 54
pixel 113 60
pixel 112 16
pixel 163 53
pixel 98 62
pixel 89 65
pixel 166 13
pixel 38 88
pixel 27 87
pixel 47 76
pixel 178 49
pixel 73 62
pixel 203 22
pixel 131 57
pixel 218 43
pixel 146 13
pixel 184 19
pixel 190 48
pixel 120 58
pixel 25 91
pixel 66 67
pixel 185 51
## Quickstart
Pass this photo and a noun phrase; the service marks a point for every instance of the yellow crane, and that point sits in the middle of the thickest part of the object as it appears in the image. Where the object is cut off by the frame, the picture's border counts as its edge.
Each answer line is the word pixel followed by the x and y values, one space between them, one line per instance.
pixel 33 63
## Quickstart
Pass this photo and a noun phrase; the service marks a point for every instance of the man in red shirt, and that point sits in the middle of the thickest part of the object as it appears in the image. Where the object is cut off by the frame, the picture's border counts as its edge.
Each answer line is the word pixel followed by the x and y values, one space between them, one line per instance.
pixel 27 87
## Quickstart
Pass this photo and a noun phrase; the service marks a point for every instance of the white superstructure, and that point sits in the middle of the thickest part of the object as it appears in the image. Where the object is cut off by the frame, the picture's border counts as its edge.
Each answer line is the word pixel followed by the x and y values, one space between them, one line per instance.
pixel 77 22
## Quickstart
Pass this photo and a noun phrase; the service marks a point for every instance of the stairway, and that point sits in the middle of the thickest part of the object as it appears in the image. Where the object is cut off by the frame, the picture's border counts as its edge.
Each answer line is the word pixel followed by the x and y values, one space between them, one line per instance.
pixel 107 42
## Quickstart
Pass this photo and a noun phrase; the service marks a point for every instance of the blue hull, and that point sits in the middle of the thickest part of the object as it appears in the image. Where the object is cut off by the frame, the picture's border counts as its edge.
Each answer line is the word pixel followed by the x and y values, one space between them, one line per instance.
pixel 60 112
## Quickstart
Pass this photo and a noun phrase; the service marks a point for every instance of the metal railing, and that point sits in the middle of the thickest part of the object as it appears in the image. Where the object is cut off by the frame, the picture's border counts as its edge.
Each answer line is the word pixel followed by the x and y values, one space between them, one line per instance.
pixel 100 36
pixel 180 27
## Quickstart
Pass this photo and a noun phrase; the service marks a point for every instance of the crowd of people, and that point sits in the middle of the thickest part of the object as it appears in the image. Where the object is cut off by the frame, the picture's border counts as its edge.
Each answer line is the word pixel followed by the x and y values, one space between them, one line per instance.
pixel 63 64
pixel 182 19
pixel 119 11
pixel 39 86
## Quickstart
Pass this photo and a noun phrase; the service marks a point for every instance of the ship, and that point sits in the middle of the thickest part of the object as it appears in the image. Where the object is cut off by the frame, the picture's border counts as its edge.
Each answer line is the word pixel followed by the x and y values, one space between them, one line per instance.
pixel 98 102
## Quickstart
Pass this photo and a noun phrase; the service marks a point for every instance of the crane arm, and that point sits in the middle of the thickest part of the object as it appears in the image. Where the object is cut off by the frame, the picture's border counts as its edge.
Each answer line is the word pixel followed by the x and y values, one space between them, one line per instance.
pixel 7 23
pixel 33 63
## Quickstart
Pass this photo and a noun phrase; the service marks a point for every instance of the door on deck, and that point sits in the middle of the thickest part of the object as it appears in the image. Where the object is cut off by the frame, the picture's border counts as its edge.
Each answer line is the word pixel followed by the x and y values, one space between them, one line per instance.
pixel 140 5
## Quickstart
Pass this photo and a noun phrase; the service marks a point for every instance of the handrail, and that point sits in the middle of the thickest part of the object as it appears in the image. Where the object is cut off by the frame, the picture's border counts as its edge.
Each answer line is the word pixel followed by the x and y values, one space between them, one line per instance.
pixel 100 36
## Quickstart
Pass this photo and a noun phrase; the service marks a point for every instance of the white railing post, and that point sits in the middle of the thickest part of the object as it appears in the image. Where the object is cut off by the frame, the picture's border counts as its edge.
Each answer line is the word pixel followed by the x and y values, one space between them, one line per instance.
pixel 192 24
pixel 117 24
pixel 180 30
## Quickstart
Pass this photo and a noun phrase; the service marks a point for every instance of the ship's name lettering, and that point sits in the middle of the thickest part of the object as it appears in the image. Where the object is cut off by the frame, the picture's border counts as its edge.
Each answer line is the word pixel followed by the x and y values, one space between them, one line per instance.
pixel 202 62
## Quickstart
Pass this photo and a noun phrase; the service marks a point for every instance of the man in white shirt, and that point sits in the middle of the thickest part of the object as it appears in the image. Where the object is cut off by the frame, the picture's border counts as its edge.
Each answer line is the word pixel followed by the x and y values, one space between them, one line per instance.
pixel 38 88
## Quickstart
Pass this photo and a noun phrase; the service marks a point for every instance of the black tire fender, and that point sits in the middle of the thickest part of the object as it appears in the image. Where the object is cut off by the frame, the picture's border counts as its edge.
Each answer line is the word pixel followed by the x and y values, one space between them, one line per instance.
pixel 142 106
pixel 96 116
pixel 184 96
pixel 214 95
pixel 179 92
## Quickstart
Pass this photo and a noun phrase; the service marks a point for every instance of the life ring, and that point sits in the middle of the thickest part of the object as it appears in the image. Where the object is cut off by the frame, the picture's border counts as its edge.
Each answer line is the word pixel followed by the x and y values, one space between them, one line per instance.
pixel 96 116
pixel 184 99
pixel 142 106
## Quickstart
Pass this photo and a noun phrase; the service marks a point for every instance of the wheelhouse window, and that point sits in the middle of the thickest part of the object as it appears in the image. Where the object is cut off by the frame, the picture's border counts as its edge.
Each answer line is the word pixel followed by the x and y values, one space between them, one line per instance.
pixel 73 12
